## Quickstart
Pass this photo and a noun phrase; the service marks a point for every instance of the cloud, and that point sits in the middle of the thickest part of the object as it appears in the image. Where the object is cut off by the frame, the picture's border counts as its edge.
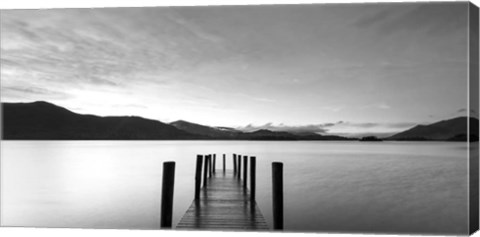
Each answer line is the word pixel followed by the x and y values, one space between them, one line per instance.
pixel 384 106
pixel 383 125
pixel 311 128
pixel 330 128
pixel 434 19
pixel 332 108
pixel 29 90
pixel 263 99
pixel 18 92
pixel 254 97
pixel 103 47
pixel 376 106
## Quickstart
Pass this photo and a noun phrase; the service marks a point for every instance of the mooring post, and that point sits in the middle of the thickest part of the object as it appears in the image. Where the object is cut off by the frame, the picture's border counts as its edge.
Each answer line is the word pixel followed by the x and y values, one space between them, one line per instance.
pixel 168 182
pixel 239 166
pixel 277 193
pixel 214 163
pixel 210 166
pixel 234 164
pixel 253 163
pixel 205 171
pixel 198 176
pixel 245 171
pixel 224 158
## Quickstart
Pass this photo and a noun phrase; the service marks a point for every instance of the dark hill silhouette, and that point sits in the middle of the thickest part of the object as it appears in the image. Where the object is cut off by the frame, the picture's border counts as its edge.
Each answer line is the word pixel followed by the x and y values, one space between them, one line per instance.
pixel 370 139
pixel 264 134
pixel 206 131
pixel 45 121
pixel 230 133
pixel 447 130
pixel 317 137
pixel 226 133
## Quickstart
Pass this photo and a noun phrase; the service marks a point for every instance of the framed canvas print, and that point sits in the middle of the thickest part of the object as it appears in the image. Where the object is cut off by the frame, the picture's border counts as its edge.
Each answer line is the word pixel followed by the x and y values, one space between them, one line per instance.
pixel 325 118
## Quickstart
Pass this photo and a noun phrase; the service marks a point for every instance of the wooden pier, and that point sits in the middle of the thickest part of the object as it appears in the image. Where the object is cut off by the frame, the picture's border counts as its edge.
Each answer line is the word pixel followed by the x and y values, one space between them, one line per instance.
pixel 225 202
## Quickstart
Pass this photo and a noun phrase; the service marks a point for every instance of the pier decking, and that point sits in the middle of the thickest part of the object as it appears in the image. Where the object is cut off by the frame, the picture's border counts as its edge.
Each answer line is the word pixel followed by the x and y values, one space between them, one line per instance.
pixel 224 203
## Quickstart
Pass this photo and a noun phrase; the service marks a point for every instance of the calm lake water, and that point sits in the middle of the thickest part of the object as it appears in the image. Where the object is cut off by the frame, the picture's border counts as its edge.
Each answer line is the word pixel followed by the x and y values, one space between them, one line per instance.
pixel 416 187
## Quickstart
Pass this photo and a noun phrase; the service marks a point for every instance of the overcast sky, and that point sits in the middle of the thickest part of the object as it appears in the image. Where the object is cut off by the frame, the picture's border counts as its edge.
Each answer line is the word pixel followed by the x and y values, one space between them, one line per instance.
pixel 336 68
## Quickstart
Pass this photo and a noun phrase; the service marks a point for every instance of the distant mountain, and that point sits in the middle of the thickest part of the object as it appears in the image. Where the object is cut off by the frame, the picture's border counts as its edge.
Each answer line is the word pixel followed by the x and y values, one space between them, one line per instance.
pixel 264 134
pixel 206 131
pixel 370 139
pixel 45 121
pixel 311 136
pixel 230 133
pixel 447 130
pixel 261 134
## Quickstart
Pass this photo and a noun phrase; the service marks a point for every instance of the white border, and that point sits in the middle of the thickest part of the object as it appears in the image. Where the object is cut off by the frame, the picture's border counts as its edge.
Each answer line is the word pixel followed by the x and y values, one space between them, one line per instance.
pixel 54 232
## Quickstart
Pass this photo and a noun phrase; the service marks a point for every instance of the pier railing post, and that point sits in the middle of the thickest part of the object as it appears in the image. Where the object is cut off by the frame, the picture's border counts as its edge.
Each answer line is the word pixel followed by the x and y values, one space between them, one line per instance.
pixel 168 182
pixel 234 164
pixel 224 158
pixel 253 163
pixel 205 171
pixel 214 163
pixel 198 176
pixel 245 171
pixel 277 193
pixel 239 166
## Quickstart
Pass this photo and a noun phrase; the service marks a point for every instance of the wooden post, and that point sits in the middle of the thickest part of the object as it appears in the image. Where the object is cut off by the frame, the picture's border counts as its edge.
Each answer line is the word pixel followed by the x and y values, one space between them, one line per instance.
pixel 168 182
pixel 214 163
pixel 210 166
pixel 209 170
pixel 239 166
pixel 205 171
pixel 245 171
pixel 253 163
pixel 234 164
pixel 198 176
pixel 224 158
pixel 277 193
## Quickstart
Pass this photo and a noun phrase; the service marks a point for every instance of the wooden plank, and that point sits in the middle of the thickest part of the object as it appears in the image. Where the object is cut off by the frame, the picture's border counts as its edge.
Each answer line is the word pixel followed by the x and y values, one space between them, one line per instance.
pixel 224 204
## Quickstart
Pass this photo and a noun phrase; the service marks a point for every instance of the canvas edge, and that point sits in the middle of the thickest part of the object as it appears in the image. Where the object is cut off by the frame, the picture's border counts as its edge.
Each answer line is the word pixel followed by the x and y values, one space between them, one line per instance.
pixel 473 94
